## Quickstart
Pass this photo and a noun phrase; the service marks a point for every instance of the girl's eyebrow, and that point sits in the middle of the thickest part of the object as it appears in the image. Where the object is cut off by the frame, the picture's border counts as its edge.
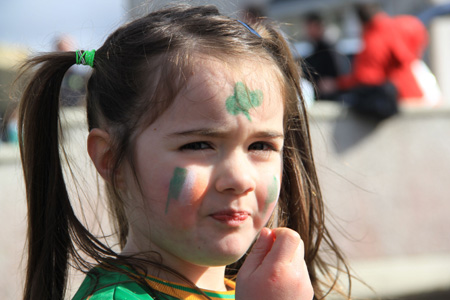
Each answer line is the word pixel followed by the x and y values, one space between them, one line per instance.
pixel 217 133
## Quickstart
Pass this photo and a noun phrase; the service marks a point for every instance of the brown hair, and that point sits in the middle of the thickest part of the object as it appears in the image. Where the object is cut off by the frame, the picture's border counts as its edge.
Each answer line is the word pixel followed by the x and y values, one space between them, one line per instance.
pixel 367 11
pixel 136 74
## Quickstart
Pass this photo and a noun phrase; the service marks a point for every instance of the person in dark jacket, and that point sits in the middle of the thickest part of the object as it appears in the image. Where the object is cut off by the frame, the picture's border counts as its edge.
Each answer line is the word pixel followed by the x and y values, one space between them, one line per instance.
pixel 321 67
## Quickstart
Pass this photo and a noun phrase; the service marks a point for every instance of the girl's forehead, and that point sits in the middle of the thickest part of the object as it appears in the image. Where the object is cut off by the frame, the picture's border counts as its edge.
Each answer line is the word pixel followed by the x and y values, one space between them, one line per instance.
pixel 222 91
pixel 210 76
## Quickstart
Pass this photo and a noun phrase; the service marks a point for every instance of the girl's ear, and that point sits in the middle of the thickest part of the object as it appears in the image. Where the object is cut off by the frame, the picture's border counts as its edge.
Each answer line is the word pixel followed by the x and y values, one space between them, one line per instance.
pixel 98 146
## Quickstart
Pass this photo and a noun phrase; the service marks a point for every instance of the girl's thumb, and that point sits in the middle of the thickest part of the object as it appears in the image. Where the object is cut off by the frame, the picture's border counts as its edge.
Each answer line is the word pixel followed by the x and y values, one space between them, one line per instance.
pixel 258 253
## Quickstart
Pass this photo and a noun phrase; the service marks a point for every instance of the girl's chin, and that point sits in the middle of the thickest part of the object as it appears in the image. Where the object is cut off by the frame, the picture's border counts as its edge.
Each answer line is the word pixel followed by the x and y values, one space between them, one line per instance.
pixel 222 257
pixel 227 258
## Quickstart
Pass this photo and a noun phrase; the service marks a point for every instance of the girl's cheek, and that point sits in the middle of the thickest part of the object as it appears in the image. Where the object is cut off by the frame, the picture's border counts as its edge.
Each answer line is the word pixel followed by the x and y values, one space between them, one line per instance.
pixel 176 186
pixel 186 188
pixel 194 188
pixel 272 194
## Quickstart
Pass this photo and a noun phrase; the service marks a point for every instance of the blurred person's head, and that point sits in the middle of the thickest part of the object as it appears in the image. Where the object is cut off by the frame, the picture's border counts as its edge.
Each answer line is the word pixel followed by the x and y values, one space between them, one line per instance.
pixel 367 11
pixel 64 42
pixel 314 26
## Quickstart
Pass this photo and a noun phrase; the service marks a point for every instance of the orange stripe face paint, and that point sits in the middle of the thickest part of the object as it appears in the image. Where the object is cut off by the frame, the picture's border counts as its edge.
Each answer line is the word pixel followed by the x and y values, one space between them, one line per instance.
pixel 195 188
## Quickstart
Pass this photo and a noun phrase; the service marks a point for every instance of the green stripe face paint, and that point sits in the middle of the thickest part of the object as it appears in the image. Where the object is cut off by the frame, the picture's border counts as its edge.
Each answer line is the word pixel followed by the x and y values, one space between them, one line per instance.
pixel 242 100
pixel 272 193
pixel 176 185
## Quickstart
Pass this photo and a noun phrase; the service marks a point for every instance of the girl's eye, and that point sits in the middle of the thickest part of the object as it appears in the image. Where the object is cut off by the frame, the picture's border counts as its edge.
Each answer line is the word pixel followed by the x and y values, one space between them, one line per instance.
pixel 196 146
pixel 261 146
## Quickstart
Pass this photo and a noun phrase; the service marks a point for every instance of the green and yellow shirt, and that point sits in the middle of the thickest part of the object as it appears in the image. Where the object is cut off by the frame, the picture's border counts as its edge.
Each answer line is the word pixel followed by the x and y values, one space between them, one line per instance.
pixel 102 284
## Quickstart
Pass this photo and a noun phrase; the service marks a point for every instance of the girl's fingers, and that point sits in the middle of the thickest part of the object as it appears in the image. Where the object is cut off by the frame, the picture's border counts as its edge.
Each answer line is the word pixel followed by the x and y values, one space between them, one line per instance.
pixel 275 269
pixel 299 257
pixel 287 247
pixel 258 253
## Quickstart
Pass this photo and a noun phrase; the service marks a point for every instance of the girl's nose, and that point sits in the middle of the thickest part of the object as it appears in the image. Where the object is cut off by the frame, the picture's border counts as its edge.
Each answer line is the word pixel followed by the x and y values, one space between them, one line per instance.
pixel 236 176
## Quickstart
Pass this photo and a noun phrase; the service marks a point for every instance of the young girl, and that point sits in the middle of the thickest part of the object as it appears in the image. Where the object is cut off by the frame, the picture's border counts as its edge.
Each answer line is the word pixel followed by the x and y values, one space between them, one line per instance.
pixel 195 126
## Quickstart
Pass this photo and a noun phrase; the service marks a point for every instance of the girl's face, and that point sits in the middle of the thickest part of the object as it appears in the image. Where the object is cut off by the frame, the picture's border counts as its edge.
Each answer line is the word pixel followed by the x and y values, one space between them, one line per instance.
pixel 209 168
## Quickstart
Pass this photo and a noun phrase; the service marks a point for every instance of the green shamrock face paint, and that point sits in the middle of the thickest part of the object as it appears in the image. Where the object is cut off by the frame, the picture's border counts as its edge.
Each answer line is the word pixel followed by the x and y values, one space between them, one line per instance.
pixel 176 184
pixel 243 99
pixel 272 193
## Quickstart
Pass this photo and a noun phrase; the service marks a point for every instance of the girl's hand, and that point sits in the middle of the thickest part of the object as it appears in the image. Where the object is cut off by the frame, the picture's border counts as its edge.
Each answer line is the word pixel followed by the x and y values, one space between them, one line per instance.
pixel 275 268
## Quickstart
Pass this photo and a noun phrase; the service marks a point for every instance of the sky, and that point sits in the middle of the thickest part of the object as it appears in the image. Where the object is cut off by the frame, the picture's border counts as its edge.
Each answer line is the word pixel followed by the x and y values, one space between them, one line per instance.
pixel 34 24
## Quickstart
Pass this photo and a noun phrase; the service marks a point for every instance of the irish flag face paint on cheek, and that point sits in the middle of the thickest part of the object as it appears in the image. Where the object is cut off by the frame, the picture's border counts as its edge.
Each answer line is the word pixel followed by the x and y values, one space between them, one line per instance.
pixel 272 193
pixel 186 187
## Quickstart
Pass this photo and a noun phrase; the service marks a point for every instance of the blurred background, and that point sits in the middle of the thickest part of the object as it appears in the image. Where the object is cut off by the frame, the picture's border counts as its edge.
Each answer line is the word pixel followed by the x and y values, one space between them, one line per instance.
pixel 386 183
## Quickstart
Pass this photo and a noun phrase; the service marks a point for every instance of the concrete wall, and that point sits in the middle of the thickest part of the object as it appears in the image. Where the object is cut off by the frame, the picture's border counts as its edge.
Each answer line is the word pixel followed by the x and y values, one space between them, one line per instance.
pixel 387 189
pixel 440 53
pixel 391 178
pixel 386 185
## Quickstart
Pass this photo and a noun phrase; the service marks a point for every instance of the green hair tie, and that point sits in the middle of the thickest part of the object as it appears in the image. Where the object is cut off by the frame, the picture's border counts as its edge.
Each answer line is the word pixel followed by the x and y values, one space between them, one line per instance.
pixel 85 58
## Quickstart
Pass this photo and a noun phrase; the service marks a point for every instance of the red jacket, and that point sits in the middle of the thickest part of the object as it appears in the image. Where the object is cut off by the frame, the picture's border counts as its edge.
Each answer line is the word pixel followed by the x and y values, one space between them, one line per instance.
pixel 390 45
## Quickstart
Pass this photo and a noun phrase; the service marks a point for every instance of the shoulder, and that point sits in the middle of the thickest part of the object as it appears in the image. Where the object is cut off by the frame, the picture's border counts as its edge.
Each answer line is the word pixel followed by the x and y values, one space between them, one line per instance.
pixel 101 284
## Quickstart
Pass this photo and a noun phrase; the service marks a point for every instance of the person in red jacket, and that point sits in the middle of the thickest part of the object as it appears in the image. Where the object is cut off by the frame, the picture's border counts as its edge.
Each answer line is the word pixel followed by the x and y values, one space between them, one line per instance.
pixel 382 70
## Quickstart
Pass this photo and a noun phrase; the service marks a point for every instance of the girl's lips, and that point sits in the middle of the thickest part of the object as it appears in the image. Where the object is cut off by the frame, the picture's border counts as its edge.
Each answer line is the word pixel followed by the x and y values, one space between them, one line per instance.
pixel 231 218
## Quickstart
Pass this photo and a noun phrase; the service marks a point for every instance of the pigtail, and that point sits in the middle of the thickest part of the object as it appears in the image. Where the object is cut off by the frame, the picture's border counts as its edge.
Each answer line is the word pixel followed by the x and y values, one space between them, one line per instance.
pixel 49 209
